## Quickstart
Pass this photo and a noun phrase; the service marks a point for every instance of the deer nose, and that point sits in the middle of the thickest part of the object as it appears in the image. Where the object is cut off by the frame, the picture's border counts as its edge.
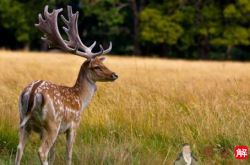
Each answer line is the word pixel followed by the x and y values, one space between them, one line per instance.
pixel 114 76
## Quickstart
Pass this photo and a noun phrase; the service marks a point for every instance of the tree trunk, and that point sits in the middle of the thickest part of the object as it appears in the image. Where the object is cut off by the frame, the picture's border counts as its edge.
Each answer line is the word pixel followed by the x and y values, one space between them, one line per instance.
pixel 165 51
pixel 198 21
pixel 228 53
pixel 136 11
pixel 26 47
pixel 205 48
pixel 44 46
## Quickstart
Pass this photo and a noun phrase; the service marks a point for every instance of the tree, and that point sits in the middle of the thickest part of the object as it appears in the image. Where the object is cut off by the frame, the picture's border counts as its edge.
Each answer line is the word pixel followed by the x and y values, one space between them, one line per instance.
pixel 236 27
pixel 157 28
pixel 13 19
pixel 136 9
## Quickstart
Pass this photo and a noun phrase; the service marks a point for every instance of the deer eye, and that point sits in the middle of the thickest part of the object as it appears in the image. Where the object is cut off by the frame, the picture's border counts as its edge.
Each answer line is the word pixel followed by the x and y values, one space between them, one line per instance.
pixel 97 68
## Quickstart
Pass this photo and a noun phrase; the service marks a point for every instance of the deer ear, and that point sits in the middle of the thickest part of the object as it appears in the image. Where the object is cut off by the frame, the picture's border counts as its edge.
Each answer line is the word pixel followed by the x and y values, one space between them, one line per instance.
pixel 102 59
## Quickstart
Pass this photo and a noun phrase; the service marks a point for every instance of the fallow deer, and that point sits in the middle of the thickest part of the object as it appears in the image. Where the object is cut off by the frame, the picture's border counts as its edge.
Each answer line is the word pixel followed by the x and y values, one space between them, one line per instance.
pixel 50 109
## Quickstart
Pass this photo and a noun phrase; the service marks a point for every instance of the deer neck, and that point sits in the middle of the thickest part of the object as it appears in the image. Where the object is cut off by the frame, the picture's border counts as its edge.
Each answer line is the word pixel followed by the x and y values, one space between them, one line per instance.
pixel 85 88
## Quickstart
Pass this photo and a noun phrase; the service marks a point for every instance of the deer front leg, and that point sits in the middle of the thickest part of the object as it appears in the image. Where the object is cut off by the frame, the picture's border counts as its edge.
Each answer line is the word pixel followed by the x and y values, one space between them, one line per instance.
pixel 48 140
pixel 23 135
pixel 70 136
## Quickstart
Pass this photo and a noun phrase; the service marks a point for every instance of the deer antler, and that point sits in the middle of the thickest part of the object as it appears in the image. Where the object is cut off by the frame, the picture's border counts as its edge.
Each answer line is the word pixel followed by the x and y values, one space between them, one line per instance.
pixel 74 45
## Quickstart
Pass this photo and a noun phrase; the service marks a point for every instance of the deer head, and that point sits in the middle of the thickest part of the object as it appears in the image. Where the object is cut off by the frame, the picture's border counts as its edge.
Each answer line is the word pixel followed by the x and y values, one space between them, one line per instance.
pixel 95 70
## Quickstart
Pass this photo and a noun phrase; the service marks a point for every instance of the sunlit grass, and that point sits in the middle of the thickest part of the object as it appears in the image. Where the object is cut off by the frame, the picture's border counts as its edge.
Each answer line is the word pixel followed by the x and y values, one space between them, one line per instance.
pixel 144 116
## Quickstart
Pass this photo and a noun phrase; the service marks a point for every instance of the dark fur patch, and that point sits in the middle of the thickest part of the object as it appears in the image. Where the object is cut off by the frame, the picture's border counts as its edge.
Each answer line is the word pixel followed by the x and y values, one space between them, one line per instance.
pixel 24 101
pixel 31 97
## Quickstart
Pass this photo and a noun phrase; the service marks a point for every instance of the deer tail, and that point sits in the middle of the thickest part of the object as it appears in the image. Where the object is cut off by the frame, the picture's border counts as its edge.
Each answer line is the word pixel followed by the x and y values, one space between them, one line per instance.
pixel 28 102
pixel 37 103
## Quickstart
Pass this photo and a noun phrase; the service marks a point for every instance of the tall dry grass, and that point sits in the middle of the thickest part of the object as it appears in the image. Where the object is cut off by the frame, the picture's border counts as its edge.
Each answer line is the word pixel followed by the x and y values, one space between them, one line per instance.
pixel 143 117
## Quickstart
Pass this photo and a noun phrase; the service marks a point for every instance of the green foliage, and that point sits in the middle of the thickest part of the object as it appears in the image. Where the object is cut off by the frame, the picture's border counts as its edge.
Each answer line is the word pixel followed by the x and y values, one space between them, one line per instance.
pixel 18 17
pixel 212 24
pixel 12 17
pixel 231 12
pixel 107 14
pixel 158 29
pixel 245 6
pixel 103 20
pixel 234 35
pixel 187 39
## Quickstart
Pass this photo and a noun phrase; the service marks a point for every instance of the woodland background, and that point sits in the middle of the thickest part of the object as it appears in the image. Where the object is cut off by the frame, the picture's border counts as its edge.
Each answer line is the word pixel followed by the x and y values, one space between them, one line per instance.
pixel 190 29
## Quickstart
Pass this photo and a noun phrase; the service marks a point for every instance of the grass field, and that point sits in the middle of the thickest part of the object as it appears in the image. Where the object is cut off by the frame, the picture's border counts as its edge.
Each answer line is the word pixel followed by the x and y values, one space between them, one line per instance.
pixel 144 116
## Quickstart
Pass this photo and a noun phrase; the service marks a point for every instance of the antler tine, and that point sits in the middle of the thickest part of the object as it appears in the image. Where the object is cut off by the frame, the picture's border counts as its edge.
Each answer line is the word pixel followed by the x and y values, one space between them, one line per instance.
pixel 98 53
pixel 93 45
pixel 102 51
pixel 46 12
pixel 109 48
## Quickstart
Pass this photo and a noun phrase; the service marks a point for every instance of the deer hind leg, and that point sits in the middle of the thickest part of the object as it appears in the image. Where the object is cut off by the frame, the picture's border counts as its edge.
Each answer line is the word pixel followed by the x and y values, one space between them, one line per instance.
pixel 70 137
pixel 48 140
pixel 23 136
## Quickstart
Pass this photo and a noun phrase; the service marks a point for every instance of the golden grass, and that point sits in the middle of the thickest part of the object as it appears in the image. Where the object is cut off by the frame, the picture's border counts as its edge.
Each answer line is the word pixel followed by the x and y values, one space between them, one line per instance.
pixel 143 117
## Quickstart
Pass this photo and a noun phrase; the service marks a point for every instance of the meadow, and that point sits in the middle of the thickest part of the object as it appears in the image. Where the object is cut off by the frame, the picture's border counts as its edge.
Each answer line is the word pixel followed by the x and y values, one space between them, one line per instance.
pixel 144 116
